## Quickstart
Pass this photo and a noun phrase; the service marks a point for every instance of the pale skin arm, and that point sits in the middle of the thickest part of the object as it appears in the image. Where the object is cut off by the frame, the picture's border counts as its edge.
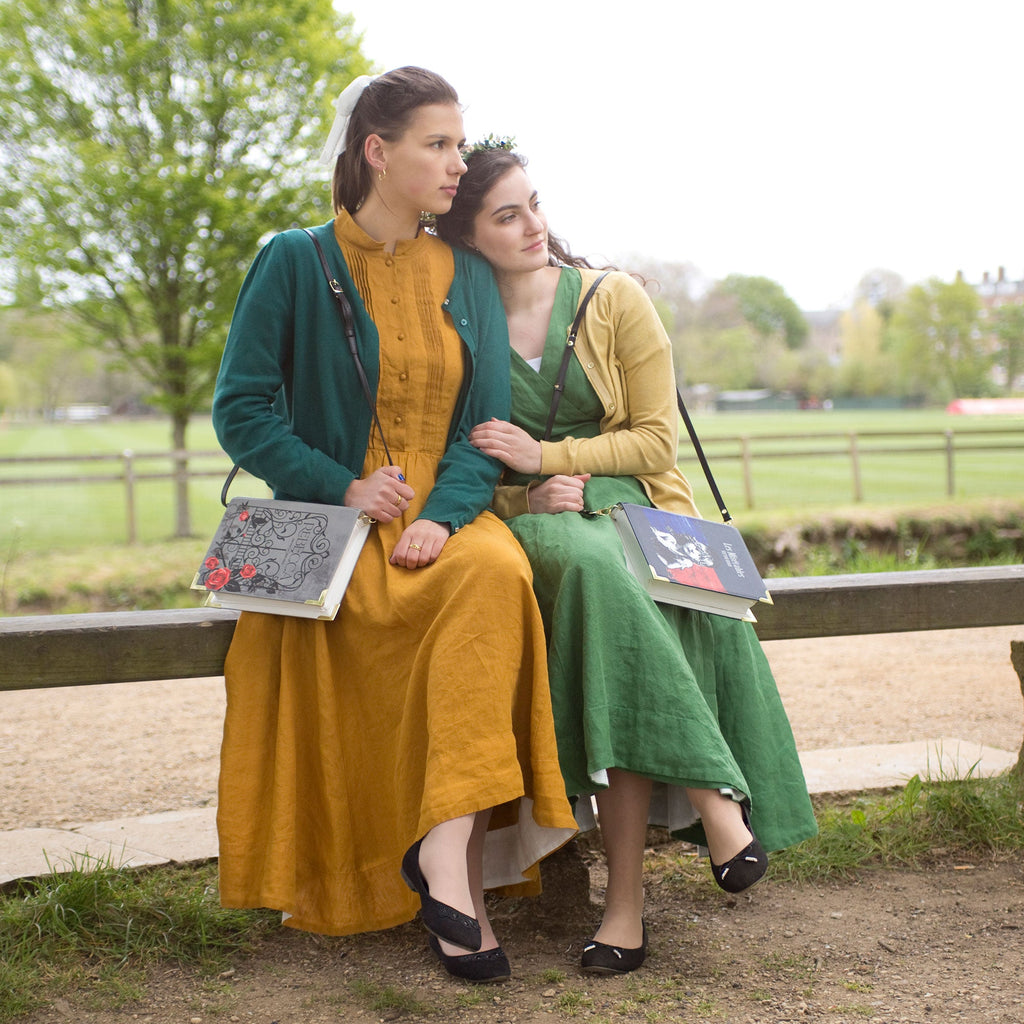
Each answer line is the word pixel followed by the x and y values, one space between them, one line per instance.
pixel 384 494
pixel 515 448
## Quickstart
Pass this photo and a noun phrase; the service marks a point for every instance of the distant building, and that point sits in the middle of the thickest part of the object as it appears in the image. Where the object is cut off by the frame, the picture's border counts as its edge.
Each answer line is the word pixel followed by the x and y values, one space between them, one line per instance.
pixel 994 293
pixel 999 291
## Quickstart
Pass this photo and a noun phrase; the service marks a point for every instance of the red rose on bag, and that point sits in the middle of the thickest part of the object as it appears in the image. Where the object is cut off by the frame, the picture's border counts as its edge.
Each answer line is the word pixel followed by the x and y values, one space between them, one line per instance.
pixel 217 579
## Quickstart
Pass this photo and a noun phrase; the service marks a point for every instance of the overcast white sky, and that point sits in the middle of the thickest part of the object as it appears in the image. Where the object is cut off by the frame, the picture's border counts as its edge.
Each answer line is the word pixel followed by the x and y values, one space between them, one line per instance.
pixel 808 141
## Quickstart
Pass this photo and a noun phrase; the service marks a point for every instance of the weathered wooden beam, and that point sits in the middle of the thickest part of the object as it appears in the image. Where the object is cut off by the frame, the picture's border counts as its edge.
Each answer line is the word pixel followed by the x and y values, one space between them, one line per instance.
pixel 118 647
pixel 892 602
pixel 113 647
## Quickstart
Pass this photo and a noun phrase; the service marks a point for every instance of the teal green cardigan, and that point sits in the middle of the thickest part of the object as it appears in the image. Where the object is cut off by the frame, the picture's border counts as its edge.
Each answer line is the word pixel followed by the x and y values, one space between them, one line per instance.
pixel 288 407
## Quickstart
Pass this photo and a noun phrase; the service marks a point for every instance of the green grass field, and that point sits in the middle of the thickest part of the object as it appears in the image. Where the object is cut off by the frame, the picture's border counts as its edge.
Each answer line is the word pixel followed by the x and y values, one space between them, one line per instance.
pixel 789 476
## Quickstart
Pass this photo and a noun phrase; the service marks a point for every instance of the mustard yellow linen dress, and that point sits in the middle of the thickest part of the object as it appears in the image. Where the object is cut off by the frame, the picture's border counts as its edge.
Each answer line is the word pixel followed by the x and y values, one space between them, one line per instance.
pixel 426 699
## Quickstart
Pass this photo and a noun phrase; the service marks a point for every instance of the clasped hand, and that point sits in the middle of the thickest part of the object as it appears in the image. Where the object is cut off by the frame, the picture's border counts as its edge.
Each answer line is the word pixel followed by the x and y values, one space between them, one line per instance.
pixel 558 494
pixel 508 444
pixel 385 495
pixel 514 447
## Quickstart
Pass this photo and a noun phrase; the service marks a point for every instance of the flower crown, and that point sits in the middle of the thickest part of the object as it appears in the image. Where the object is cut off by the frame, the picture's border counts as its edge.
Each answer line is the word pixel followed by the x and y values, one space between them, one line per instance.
pixel 490 142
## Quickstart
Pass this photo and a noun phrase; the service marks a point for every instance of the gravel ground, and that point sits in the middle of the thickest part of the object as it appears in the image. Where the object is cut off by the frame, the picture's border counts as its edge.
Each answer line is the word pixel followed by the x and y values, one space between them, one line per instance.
pixel 94 753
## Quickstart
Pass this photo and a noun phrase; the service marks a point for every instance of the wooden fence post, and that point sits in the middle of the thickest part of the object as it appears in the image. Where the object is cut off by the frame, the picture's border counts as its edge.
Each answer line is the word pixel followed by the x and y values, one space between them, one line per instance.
pixel 858 492
pixel 748 476
pixel 129 493
pixel 1017 660
pixel 950 483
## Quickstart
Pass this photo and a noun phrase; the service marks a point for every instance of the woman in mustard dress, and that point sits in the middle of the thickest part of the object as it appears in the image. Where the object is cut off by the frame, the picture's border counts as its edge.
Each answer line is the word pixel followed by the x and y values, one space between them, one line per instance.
pixel 402 756
pixel 666 715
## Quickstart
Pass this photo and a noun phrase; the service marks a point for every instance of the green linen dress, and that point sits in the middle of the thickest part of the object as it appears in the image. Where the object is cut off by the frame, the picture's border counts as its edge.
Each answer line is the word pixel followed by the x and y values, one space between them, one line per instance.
pixel 682 697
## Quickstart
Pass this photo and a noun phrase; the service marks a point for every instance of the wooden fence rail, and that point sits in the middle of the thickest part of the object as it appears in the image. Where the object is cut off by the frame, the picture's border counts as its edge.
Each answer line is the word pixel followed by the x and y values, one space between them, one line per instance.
pixel 124 467
pixel 115 647
pixel 858 444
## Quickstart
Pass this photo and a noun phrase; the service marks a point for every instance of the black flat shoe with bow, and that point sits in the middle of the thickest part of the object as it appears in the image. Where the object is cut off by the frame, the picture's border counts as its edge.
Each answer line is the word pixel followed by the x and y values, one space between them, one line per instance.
pixel 599 958
pixel 487 966
pixel 441 920
pixel 746 868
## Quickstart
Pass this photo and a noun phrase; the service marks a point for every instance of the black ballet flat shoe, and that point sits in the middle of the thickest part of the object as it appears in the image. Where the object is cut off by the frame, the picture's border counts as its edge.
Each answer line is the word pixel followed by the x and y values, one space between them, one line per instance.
pixel 743 870
pixel 485 967
pixel 441 920
pixel 601 959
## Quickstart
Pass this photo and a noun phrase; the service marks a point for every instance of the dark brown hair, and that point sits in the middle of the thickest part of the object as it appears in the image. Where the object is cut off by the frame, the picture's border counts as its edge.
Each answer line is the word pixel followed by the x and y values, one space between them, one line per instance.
pixel 385 108
pixel 485 168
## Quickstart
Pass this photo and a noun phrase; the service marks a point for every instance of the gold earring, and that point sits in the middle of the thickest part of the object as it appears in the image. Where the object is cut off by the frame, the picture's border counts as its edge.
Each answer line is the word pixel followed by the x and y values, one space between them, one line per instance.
pixel 383 174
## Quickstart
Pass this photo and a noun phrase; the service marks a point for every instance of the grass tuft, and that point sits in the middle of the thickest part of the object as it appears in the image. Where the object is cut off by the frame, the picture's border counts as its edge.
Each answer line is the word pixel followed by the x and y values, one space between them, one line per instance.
pixel 111 918
pixel 926 820
pixel 388 998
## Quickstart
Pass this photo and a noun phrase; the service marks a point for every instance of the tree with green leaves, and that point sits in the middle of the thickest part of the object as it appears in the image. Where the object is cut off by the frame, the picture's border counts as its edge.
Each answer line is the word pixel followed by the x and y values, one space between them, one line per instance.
pixel 147 147
pixel 937 327
pixel 765 305
pixel 867 368
pixel 1008 326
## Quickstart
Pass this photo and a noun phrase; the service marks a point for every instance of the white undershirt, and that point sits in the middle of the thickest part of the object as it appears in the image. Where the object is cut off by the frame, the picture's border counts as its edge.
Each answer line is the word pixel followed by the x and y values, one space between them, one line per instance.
pixel 534 364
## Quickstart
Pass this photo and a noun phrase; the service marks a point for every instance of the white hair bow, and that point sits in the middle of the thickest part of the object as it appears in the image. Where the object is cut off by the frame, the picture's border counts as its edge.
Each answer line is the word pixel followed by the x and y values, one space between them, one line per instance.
pixel 343 106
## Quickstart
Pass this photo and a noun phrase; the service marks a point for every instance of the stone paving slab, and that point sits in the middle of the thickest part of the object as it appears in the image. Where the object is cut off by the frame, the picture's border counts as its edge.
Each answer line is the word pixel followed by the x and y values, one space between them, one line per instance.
pixel 30 852
pixel 852 769
pixel 191 835
pixel 181 836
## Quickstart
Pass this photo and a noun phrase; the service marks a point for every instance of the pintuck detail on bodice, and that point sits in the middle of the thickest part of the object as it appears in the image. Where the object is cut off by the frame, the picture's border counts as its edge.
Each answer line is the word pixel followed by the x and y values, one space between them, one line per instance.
pixel 421 362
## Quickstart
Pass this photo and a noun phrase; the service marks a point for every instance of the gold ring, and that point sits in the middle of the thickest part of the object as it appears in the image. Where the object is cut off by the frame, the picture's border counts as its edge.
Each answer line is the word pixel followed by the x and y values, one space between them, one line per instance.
pixel 397 500
pixel 416 547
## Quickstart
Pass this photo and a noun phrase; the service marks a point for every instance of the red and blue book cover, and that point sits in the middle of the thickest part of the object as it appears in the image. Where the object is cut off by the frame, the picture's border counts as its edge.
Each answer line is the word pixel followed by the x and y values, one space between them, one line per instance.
pixel 695 552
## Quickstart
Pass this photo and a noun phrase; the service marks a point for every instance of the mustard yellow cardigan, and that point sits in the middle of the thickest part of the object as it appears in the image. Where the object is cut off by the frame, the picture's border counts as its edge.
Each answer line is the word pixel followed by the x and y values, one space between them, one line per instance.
pixel 626 355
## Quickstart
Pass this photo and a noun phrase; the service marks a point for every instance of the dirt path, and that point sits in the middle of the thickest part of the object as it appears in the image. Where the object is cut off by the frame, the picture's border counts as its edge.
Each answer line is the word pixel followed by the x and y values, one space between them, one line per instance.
pixel 928 948
pixel 938 946
pixel 94 753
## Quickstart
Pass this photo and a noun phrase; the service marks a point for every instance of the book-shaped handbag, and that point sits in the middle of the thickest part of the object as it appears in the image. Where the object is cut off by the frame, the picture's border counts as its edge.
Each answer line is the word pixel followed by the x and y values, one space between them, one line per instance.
pixel 282 557
pixel 692 562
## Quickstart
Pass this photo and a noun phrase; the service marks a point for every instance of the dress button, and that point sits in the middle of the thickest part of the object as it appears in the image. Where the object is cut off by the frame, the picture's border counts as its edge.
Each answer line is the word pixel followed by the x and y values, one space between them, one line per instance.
pixel 403 376
pixel 398 419
pixel 388 262
pixel 394 300
pixel 401 335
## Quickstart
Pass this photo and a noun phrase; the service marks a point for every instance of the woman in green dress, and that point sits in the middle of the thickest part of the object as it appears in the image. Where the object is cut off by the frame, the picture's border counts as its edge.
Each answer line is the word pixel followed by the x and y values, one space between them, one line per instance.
pixel 667 715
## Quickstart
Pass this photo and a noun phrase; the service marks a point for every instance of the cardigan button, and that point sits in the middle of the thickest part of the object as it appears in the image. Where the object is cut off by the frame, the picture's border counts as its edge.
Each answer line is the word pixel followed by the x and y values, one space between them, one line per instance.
pixel 464 322
pixel 394 300
pixel 403 376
